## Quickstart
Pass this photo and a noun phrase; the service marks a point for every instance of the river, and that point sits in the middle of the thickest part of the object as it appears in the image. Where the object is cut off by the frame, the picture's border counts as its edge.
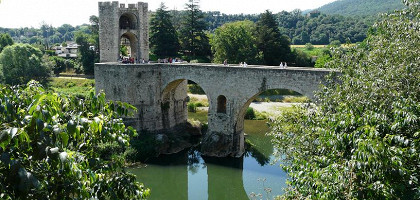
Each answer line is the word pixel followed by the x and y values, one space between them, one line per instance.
pixel 188 175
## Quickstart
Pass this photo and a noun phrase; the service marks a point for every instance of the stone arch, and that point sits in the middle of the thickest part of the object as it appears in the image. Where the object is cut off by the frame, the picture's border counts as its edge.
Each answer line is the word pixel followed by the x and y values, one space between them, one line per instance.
pixel 130 40
pixel 221 104
pixel 174 100
pixel 128 21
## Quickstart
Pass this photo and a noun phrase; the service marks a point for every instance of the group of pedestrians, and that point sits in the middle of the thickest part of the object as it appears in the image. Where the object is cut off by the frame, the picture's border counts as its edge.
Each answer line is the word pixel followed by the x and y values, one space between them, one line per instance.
pixel 283 65
pixel 169 60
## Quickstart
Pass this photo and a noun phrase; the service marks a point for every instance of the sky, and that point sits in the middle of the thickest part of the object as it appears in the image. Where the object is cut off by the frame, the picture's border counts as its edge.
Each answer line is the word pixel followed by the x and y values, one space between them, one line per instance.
pixel 33 13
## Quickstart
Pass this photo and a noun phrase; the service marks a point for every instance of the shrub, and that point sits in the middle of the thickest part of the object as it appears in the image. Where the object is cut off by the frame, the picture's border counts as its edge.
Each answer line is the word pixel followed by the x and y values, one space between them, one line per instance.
pixel 49 146
pixel 309 46
pixel 249 114
pixel 191 107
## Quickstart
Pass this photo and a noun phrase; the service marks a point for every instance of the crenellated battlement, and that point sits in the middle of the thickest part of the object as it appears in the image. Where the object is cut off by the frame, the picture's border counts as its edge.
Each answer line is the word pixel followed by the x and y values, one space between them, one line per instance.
pixel 108 4
pixel 123 23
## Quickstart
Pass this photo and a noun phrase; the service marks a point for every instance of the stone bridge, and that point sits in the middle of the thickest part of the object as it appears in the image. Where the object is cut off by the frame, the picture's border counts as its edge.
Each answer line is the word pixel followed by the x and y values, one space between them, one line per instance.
pixel 159 91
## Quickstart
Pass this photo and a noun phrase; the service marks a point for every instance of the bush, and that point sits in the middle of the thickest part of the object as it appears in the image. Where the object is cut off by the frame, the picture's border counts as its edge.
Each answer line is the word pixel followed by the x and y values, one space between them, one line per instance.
pixel 191 107
pixel 49 146
pixel 309 46
pixel 250 114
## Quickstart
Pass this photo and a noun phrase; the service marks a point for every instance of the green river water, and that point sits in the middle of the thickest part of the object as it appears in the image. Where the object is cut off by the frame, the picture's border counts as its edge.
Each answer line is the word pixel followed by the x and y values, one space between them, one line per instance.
pixel 188 175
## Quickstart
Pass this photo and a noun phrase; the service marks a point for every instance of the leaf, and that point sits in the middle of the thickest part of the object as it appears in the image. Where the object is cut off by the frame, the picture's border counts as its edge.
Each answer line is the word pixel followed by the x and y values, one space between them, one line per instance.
pixel 36 103
pixel 64 138
pixel 4 139
pixel 71 127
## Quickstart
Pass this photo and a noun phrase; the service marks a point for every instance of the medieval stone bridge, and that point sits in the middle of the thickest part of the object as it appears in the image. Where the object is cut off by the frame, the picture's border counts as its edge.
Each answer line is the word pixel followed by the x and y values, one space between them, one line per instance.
pixel 159 91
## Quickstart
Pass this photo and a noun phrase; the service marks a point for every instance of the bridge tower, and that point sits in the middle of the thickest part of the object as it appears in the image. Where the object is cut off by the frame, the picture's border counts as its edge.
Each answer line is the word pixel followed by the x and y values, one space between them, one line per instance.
pixel 120 25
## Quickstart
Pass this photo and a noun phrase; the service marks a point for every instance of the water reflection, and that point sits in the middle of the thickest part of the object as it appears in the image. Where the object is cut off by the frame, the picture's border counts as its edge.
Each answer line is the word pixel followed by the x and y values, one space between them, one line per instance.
pixel 188 175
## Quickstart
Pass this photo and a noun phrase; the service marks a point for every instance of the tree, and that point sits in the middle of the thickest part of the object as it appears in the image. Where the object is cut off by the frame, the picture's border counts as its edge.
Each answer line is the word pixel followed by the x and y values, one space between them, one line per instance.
pixel 49 146
pixel 87 55
pixel 362 140
pixel 22 62
pixel 163 40
pixel 235 42
pixel 274 47
pixel 94 36
pixel 194 41
pixel 5 40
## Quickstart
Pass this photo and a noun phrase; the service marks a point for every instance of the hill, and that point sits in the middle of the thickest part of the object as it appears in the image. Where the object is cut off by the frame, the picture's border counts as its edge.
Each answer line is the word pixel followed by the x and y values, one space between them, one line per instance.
pixel 360 7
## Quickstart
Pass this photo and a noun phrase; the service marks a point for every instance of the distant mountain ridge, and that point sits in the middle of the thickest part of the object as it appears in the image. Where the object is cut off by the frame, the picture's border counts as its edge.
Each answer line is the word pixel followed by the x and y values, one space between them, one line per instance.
pixel 360 7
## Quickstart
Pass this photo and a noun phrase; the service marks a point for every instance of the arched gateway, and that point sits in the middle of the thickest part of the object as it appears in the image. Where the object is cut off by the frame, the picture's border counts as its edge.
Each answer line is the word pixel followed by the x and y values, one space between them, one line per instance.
pixel 159 91
pixel 123 26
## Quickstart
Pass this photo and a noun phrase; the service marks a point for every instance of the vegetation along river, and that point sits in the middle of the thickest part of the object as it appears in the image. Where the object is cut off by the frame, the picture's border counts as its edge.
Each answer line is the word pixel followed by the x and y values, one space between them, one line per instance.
pixel 188 175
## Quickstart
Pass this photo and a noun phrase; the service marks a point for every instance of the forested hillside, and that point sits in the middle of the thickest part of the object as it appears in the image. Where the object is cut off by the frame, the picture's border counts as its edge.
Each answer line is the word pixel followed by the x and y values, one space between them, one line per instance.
pixel 361 7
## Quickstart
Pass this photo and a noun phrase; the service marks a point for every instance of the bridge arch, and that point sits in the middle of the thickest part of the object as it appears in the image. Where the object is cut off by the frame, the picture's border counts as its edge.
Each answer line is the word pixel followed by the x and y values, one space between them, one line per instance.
pixel 174 100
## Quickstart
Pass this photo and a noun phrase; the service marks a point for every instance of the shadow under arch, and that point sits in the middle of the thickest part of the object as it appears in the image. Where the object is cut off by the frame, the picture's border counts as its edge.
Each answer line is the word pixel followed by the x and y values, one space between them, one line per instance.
pixel 174 100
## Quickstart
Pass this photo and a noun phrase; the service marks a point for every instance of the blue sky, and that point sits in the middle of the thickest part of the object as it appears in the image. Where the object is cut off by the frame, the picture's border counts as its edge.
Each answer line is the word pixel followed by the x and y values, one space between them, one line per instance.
pixel 31 13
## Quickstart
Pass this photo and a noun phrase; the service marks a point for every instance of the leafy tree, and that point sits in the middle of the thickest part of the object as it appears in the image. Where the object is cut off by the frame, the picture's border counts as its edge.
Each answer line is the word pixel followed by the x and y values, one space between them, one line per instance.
pixel 5 40
pixel 22 62
pixel 88 56
pixel 274 47
pixel 49 146
pixel 235 42
pixel 194 40
pixel 362 140
pixel 60 64
pixel 94 28
pixel 163 40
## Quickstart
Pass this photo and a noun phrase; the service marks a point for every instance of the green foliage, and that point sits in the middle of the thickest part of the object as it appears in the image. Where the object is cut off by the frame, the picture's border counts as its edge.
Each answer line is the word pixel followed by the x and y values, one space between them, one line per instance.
pixel 300 58
pixel 362 140
pixel 194 41
pixel 75 87
pixel 123 50
pixel 360 7
pixel 322 29
pixel 191 107
pixel 195 89
pixel 279 92
pixel 88 57
pixel 60 64
pixel 163 37
pixel 21 63
pixel 322 60
pixel 235 42
pixel 275 48
pixel 5 40
pixel 309 46
pixel 250 113
pixel 335 43
pixel 49 146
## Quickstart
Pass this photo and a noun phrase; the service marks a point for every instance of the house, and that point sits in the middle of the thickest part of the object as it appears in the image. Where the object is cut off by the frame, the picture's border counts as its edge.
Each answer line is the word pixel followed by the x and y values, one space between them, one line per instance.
pixel 69 51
